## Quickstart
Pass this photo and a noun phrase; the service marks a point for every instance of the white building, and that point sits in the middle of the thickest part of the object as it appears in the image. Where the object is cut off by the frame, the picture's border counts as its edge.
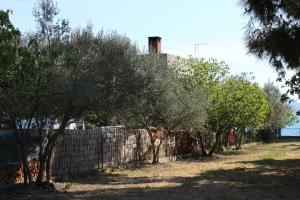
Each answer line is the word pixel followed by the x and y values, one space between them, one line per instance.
pixel 76 124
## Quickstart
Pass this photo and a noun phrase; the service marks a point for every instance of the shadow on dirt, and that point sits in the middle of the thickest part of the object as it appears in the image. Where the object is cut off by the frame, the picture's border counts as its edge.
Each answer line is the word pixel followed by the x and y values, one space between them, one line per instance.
pixel 262 179
pixel 269 179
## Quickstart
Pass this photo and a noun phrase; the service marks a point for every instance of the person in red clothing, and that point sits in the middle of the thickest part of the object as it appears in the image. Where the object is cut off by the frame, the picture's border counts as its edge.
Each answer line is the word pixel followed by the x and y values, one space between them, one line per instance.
pixel 231 137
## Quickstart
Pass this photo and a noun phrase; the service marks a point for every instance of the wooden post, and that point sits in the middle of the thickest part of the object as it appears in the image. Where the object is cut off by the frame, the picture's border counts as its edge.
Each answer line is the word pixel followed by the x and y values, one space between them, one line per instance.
pixel 102 153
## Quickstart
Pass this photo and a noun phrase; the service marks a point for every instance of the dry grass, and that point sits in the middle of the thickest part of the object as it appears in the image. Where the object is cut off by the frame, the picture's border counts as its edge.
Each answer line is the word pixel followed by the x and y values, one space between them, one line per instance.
pixel 258 171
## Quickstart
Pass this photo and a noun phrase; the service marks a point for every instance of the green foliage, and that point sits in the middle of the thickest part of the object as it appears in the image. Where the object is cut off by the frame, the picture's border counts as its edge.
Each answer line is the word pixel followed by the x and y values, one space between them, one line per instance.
pixel 199 78
pixel 152 105
pixel 202 74
pixel 60 76
pixel 280 114
pixel 9 44
pixel 273 32
pixel 237 103
pixel 17 75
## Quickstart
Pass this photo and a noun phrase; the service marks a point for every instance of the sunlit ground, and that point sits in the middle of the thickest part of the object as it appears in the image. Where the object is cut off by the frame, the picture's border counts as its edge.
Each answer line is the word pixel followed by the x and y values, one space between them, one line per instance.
pixel 269 171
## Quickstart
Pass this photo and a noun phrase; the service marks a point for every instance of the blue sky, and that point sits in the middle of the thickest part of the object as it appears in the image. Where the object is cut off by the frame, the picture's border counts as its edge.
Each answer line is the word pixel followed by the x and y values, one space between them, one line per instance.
pixel 181 24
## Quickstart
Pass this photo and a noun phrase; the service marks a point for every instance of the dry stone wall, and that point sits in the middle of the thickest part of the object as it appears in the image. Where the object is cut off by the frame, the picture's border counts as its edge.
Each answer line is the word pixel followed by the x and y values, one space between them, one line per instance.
pixel 81 151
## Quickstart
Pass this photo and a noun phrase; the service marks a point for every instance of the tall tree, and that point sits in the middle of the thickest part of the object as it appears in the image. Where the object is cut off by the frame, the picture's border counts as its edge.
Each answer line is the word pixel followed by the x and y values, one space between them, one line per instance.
pixel 17 87
pixel 9 47
pixel 273 32
pixel 199 78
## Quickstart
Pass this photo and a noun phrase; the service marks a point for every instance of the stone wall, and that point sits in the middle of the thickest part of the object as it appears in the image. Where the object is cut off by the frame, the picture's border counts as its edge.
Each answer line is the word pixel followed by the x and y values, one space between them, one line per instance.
pixel 81 151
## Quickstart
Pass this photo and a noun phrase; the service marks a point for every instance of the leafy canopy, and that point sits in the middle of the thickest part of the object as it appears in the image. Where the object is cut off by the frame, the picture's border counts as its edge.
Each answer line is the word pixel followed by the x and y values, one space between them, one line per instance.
pixel 280 114
pixel 237 103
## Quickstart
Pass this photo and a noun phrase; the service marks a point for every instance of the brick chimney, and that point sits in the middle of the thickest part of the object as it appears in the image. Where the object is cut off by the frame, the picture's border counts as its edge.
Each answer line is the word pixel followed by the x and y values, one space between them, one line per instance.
pixel 154 44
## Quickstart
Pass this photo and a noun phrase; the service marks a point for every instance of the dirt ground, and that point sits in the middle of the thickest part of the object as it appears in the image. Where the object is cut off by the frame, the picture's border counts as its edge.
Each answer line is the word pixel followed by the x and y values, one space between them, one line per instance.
pixel 258 171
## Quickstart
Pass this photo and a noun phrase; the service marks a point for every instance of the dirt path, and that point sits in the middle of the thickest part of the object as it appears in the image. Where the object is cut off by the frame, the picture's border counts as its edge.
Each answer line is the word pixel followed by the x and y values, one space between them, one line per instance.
pixel 257 172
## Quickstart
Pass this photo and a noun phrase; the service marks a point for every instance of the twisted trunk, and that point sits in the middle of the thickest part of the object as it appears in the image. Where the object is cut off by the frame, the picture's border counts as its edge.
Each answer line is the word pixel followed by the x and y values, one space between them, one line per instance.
pixel 213 148
pixel 157 150
pixel 24 154
pixel 240 138
pixel 45 157
pixel 203 151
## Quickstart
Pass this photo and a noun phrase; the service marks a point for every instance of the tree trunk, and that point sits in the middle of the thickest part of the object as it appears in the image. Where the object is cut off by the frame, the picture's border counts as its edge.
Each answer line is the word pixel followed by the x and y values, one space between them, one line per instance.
pixel 27 172
pixel 45 160
pixel 225 139
pixel 45 156
pixel 153 149
pixel 157 150
pixel 213 148
pixel 152 140
pixel 25 181
pixel 153 154
pixel 48 167
pixel 239 145
pixel 203 151
pixel 157 154
pixel 42 168
pixel 236 138
pixel 23 150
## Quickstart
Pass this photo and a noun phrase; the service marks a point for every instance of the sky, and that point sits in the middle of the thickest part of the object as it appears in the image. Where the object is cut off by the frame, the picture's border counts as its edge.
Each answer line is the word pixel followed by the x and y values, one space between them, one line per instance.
pixel 219 24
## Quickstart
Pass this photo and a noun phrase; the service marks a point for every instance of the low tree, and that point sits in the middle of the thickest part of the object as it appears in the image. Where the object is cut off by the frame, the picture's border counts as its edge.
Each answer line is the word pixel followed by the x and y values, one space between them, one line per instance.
pixel 236 103
pixel 157 108
pixel 84 81
pixel 280 114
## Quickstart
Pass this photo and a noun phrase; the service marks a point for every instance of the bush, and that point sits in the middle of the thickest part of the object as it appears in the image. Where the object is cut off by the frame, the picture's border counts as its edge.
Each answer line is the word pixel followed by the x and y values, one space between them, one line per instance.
pixel 266 135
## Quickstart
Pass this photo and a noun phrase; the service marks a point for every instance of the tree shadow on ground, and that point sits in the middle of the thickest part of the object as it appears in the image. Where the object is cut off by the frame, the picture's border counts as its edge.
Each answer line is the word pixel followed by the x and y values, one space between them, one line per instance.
pixel 261 179
pixel 216 156
pixel 268 179
pixel 231 153
pixel 287 139
pixel 26 192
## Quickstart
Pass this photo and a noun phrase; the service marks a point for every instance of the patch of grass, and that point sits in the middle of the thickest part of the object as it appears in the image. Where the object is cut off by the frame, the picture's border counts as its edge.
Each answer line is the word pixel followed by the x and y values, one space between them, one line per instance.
pixel 69 186
pixel 109 170
pixel 273 155
pixel 245 173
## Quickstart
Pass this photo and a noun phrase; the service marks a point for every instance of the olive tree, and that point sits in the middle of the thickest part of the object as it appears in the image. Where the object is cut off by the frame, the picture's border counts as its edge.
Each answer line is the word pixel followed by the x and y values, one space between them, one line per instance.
pixel 68 75
pixel 199 78
pixel 93 73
